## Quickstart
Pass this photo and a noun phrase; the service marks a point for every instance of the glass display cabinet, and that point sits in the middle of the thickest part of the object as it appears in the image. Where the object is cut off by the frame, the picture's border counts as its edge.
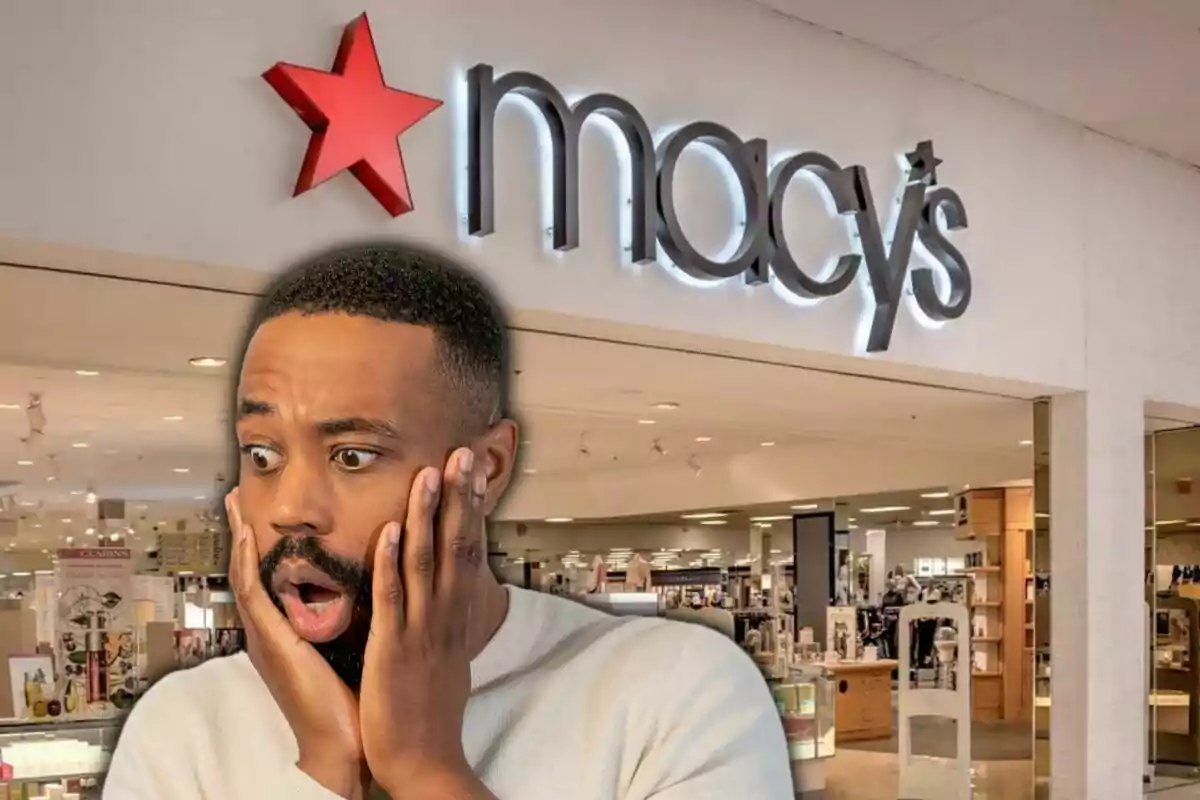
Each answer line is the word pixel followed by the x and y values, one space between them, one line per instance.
pixel 805 700
pixel 50 758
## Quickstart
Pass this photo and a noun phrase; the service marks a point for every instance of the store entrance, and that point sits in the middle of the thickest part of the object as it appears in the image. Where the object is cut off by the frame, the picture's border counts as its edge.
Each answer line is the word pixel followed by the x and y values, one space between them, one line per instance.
pixel 863 540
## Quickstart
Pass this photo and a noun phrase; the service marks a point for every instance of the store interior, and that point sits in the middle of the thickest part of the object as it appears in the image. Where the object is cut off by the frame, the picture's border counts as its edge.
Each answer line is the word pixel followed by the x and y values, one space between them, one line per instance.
pixel 807 514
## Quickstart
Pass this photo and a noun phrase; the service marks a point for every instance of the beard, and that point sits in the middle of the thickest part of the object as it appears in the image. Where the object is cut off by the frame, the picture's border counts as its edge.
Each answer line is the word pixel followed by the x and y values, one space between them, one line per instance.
pixel 345 654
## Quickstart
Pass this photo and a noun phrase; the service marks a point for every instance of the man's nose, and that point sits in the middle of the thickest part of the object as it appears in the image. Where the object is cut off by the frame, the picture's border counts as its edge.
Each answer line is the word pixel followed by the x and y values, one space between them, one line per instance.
pixel 302 504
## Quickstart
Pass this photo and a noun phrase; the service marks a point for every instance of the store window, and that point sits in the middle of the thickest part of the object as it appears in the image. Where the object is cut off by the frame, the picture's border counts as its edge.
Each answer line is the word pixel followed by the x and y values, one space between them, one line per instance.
pixel 1172 619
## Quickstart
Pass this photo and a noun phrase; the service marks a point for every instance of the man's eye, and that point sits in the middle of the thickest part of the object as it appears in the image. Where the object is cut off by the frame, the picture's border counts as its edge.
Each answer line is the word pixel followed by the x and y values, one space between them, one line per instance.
pixel 352 460
pixel 263 458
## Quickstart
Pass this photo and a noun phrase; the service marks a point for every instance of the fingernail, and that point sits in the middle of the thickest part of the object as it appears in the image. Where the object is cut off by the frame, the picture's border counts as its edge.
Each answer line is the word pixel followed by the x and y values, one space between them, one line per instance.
pixel 433 479
pixel 393 535
pixel 466 461
pixel 479 487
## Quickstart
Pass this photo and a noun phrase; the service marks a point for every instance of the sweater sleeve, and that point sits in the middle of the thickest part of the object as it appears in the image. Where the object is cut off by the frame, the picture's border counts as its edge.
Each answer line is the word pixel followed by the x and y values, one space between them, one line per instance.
pixel 160 754
pixel 714 731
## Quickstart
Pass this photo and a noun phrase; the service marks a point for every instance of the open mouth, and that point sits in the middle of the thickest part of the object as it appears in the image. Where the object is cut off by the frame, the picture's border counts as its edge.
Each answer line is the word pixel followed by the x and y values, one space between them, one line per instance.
pixel 317 607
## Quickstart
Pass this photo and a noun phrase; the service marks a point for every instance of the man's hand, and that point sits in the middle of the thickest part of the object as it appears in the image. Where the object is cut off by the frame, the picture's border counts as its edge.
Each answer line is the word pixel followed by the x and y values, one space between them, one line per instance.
pixel 318 706
pixel 417 673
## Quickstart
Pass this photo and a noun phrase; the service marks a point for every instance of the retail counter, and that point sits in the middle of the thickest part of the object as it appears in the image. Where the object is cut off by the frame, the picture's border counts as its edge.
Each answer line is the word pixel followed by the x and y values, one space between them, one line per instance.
pixel 70 753
pixel 864 699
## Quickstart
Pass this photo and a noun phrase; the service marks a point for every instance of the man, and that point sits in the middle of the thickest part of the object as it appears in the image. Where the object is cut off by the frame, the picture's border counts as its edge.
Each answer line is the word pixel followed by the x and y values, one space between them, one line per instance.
pixel 383 658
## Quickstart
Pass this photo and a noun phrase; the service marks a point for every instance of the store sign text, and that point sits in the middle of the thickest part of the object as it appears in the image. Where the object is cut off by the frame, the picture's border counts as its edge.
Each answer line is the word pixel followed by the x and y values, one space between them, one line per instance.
pixel 763 249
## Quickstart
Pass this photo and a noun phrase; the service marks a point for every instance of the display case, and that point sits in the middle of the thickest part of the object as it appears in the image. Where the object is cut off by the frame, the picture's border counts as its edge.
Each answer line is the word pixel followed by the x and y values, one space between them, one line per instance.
pixel 72 754
pixel 805 699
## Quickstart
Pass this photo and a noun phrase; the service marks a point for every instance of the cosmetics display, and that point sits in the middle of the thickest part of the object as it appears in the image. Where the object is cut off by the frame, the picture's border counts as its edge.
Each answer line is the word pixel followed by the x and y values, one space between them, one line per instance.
pixel 804 697
pixel 61 759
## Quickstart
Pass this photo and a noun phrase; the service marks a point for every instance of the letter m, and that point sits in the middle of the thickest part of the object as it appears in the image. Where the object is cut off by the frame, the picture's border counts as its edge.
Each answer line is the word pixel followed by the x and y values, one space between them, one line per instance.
pixel 565 122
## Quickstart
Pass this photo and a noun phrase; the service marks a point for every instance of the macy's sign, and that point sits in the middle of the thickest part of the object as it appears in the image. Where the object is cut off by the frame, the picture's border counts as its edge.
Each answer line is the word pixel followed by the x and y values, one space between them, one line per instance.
pixel 356 119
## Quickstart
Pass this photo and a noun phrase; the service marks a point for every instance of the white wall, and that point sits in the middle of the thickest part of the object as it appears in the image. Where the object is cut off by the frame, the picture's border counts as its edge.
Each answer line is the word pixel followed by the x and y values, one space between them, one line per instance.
pixel 903 546
pixel 556 539
pixel 193 159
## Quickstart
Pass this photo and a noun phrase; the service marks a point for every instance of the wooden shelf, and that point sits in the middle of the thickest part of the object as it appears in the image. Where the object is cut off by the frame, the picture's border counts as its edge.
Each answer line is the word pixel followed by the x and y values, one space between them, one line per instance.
pixel 987 674
pixel 987 604
pixel 986 639
pixel 990 568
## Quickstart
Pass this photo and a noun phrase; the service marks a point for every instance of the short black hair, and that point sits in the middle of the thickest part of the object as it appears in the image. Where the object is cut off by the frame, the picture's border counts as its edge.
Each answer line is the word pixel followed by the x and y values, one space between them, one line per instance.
pixel 400 282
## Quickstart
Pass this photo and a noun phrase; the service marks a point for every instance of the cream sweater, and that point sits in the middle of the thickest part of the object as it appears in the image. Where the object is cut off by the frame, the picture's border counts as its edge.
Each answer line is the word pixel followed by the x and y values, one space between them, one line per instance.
pixel 567 702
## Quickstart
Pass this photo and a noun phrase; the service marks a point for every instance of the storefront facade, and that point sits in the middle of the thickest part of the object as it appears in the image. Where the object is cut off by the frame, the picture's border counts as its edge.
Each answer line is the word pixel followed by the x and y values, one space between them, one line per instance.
pixel 148 130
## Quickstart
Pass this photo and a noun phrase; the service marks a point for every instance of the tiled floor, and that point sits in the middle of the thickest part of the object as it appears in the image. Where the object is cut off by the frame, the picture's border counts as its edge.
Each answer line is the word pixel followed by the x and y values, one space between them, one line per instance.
pixel 1190 792
pixel 862 775
pixel 859 775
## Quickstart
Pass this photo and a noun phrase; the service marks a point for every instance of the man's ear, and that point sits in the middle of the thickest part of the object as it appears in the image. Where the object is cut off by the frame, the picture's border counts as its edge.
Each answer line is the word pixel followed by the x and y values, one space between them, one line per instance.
pixel 498 448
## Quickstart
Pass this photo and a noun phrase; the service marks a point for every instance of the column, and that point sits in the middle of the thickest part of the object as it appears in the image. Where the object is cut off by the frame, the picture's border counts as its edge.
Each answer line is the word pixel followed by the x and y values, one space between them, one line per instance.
pixel 756 550
pixel 1097 504
pixel 813 545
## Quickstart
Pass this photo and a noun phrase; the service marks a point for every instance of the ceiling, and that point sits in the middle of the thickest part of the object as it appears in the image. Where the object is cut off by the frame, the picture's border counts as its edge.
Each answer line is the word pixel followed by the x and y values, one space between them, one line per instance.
pixel 1126 68
pixel 110 361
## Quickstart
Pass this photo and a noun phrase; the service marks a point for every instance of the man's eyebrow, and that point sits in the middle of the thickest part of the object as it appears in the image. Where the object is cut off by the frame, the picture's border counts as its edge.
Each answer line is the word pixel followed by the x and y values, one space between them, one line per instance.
pixel 253 408
pixel 374 427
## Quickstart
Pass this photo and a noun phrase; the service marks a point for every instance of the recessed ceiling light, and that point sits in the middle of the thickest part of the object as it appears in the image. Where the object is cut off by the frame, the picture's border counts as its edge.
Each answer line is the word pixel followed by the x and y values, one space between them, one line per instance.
pixel 182 470
pixel 667 406
pixel 114 537
pixel 200 497
pixel 851 527
pixel 66 521
pixel 70 540
pixel 777 518
pixel 1026 442
pixel 714 522
pixel 559 520
pixel 86 373
pixel 51 478
pixel 24 463
pixel 21 574
pixel 935 495
pixel 173 418
pixel 79 445
pixel 704 515
pixel 90 531
pixel 926 523
pixel 766 444
pixel 207 362
pixel 703 439
pixel 941 512
pixel 9 407
pixel 806 507
pixel 884 509
pixel 647 422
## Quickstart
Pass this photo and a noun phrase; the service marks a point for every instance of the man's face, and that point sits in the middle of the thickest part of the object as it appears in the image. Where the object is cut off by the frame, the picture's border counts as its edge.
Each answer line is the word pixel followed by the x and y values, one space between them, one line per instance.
pixel 336 414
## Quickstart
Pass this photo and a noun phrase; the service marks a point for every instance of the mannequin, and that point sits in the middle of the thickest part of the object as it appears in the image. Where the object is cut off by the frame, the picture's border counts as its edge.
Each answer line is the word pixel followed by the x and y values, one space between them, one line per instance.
pixel 906 585
pixel 597 575
pixel 637 574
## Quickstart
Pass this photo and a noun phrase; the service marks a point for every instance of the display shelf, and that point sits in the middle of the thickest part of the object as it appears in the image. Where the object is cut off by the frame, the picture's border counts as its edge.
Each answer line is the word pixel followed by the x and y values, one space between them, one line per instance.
pixel 70 752
pixel 805 701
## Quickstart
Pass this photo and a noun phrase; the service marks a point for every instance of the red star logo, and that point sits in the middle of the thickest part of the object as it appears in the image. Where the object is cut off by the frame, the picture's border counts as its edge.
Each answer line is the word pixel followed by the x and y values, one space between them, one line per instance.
pixel 355 118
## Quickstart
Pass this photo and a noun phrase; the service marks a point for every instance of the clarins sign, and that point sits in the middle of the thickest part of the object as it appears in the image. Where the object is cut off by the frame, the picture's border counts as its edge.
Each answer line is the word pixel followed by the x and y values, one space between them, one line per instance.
pixel 356 119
